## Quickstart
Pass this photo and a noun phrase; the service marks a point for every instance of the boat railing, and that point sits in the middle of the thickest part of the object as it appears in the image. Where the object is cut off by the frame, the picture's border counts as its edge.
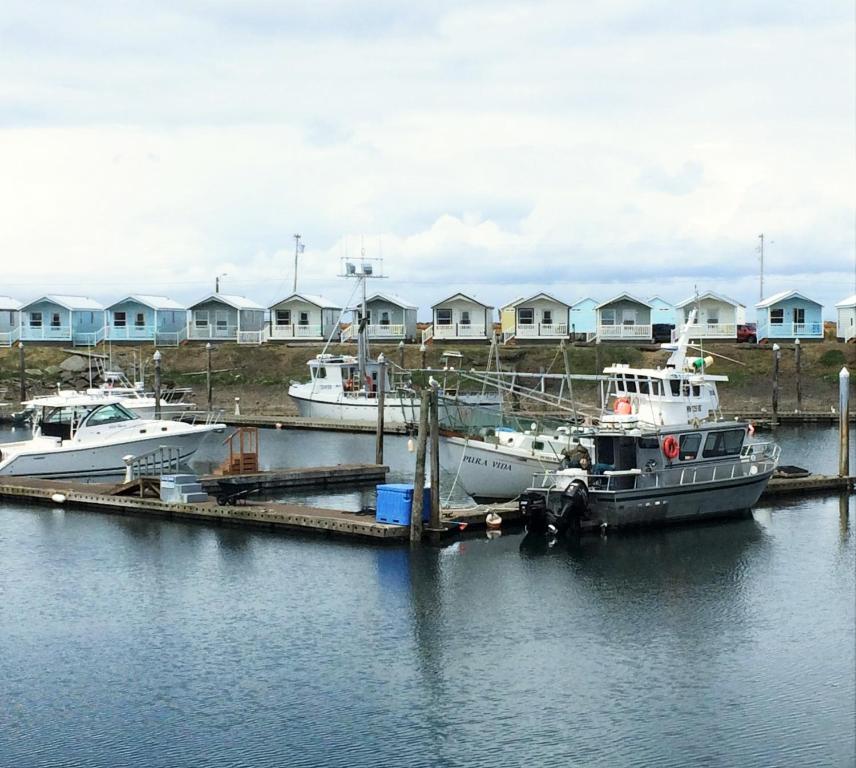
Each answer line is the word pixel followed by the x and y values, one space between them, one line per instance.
pixel 754 459
pixel 165 459
pixel 196 417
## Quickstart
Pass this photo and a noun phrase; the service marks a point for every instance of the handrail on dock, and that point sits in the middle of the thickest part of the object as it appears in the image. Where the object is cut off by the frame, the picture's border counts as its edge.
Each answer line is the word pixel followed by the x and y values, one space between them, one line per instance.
pixel 164 459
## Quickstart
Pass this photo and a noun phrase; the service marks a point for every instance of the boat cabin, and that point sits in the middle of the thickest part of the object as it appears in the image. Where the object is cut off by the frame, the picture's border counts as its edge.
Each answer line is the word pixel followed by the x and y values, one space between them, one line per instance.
pixel 787 316
pixel 142 318
pixel 341 373
pixel 303 317
pixel 225 317
pixel 75 319
pixel 717 316
pixel 67 415
pixel 10 321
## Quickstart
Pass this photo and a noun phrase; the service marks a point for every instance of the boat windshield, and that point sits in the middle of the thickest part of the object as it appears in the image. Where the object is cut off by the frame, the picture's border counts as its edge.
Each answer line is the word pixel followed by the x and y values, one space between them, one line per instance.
pixel 109 414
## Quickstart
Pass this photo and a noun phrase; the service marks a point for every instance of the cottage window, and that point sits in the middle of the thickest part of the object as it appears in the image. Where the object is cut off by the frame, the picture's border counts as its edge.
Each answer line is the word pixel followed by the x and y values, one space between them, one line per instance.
pixel 384 318
pixel 526 316
pixel 547 317
pixel 465 317
pixel 35 319
pixel 628 317
pixel 799 315
pixel 221 320
pixel 304 318
pixel 283 317
pixel 444 317
pixel 200 318
pixel 119 319
pixel 56 321
pixel 140 320
pixel 607 317
pixel 713 317
pixel 777 316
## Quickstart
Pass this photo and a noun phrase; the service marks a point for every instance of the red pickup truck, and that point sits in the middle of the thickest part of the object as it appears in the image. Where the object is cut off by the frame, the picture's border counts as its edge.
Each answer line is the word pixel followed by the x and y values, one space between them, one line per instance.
pixel 747 332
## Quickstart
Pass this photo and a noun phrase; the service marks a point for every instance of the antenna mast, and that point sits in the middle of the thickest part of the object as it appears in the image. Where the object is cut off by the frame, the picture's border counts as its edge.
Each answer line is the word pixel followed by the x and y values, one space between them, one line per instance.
pixel 761 252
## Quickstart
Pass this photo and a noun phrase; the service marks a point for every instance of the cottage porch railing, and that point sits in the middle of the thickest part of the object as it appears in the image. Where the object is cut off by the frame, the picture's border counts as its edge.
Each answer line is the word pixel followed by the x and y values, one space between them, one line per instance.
pixel 392 331
pixel 251 337
pixel 46 333
pixel 212 332
pixel 459 331
pixel 790 330
pixel 292 331
pixel 8 338
pixel 709 331
pixel 87 338
pixel 624 332
pixel 542 331
pixel 170 338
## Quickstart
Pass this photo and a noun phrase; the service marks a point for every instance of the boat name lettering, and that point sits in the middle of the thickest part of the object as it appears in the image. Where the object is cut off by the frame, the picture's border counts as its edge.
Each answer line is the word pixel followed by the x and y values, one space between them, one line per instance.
pixel 491 463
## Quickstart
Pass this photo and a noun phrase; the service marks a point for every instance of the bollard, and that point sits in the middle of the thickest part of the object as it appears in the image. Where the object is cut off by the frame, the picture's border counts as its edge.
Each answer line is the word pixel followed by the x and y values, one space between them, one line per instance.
pixel 434 416
pixel 381 404
pixel 129 473
pixel 237 406
pixel 157 358
pixel 208 377
pixel 419 475
pixel 798 372
pixel 22 370
pixel 844 423
pixel 777 353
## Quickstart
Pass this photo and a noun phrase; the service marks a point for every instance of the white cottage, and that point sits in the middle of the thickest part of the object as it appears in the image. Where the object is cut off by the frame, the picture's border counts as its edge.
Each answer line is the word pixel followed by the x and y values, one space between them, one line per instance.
pixel 717 317
pixel 538 317
pixel 304 317
pixel 624 318
pixel 225 317
pixel 389 318
pixel 460 318
pixel 845 329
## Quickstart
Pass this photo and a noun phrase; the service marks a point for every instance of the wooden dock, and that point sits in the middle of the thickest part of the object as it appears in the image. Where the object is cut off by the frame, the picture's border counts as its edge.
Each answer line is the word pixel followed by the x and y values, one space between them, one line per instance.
pixel 307 477
pixel 279 516
pixel 306 422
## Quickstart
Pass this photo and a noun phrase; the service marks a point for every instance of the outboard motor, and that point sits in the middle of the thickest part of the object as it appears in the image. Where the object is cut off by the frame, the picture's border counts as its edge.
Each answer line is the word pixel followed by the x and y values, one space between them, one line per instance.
pixel 533 509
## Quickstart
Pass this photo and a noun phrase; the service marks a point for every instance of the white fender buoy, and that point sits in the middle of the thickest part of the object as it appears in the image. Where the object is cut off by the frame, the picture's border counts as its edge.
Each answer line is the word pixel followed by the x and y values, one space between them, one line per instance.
pixel 493 521
pixel 59 498
pixel 411 446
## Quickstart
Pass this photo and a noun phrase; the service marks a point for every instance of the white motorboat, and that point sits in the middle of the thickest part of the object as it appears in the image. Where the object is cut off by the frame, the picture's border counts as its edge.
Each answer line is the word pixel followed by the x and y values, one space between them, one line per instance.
pixel 83 435
pixel 144 404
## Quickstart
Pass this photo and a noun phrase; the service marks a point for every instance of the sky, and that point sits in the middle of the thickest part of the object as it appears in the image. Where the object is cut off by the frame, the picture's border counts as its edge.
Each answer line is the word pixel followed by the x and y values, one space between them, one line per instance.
pixel 500 149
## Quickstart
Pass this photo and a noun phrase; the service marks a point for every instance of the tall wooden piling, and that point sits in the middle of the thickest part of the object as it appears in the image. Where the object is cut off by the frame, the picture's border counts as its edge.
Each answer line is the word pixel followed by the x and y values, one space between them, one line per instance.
pixel 777 354
pixel 798 372
pixel 157 358
pixel 844 423
pixel 22 371
pixel 598 369
pixel 419 475
pixel 208 389
pixel 434 417
pixel 381 402
pixel 423 351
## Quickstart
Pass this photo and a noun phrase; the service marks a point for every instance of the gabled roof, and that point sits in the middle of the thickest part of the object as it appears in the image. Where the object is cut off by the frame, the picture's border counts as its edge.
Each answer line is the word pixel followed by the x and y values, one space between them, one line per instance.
pixel 622 296
pixel 850 301
pixel 69 302
pixel 661 300
pixel 709 295
pixel 7 303
pixel 584 298
pixel 391 298
pixel 777 297
pixel 512 303
pixel 462 296
pixel 155 302
pixel 237 302
pixel 540 295
pixel 318 301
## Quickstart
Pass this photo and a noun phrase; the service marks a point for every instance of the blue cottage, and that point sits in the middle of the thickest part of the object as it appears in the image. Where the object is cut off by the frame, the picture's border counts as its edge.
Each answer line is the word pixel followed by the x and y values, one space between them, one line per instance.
pixel 157 319
pixel 10 321
pixel 583 319
pixel 789 315
pixel 75 319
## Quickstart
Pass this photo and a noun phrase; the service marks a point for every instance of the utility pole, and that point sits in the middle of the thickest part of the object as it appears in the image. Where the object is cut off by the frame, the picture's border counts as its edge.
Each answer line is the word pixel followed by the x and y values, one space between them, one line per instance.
pixel 761 252
pixel 298 249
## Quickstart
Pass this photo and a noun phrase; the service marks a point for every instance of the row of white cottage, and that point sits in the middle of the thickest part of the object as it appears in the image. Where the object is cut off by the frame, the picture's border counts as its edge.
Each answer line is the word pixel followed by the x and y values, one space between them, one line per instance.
pixel 225 317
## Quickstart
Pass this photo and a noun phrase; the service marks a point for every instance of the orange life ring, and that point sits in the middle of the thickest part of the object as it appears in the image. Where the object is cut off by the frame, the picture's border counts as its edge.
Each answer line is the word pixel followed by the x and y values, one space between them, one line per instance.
pixel 622 406
pixel 670 447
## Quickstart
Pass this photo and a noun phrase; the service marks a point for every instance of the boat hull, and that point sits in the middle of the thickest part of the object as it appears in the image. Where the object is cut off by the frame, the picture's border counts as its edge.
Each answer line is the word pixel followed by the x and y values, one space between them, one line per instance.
pixel 486 471
pixel 397 411
pixel 84 460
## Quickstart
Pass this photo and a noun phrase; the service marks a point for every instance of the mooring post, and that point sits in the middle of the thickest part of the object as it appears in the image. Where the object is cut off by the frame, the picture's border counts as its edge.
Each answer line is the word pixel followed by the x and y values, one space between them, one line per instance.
pixel 208 376
pixel 423 351
pixel 419 476
pixel 435 461
pixel 157 358
pixel 597 368
pixel 381 400
pixel 844 423
pixel 401 354
pixel 22 371
pixel 798 370
pixel 777 354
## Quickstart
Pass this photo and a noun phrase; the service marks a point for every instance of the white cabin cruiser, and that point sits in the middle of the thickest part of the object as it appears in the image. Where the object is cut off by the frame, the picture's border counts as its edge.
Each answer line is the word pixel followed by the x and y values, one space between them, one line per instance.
pixel 81 435
pixel 133 396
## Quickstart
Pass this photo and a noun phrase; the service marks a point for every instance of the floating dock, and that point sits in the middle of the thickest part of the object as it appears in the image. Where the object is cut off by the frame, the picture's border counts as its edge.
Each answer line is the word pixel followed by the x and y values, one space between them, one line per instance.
pixel 276 515
pixel 307 422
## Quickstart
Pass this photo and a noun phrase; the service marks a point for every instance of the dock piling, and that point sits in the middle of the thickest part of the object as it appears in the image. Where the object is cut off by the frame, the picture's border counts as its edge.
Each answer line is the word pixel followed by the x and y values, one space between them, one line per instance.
pixel 434 416
pixel 777 355
pixel 844 422
pixel 798 371
pixel 22 371
pixel 401 354
pixel 419 475
pixel 157 358
pixel 381 401
pixel 208 376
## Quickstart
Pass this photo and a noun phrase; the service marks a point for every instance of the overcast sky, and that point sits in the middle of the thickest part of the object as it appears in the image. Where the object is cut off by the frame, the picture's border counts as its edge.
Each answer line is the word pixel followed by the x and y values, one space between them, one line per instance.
pixel 495 148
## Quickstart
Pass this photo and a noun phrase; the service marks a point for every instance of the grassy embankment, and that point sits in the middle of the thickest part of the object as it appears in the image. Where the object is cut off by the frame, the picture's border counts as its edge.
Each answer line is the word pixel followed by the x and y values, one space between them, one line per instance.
pixel 260 375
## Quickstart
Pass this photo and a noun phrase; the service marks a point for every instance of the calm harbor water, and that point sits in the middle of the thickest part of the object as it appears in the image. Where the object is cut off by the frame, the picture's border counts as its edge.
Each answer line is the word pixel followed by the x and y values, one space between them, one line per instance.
pixel 129 641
